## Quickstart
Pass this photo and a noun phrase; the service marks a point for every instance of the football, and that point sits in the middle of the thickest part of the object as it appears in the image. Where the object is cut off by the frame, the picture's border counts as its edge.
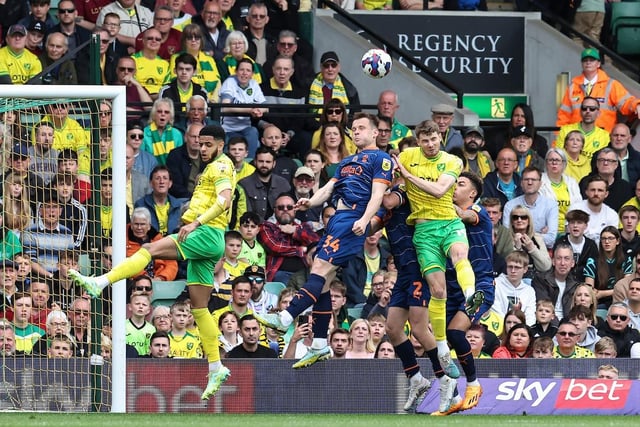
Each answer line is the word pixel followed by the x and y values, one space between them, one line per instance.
pixel 376 63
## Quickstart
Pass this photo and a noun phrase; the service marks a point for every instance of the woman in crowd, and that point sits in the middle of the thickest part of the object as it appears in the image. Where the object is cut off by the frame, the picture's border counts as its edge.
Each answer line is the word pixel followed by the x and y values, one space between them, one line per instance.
pixel 361 343
pixel 207 73
pixel 160 137
pixel 578 165
pixel 499 137
pixel 385 350
pixel 612 265
pixel 517 345
pixel 526 240
pixel 240 88
pixel 316 161
pixel 559 186
pixel 334 112
pixel 332 146
pixel 236 48
pixel 585 295
pixel 161 318
pixel 15 201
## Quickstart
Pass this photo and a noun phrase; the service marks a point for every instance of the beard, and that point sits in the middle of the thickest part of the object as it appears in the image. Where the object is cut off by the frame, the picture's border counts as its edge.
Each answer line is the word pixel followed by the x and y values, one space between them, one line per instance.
pixel 471 148
pixel 264 173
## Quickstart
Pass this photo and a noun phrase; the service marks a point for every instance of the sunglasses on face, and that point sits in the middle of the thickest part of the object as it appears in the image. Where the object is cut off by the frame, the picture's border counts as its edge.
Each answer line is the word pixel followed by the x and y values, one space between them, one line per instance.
pixel 284 207
pixel 334 111
pixel 567 334
pixel 330 65
pixel 620 317
pixel 143 288
pixel 522 217
pixel 258 280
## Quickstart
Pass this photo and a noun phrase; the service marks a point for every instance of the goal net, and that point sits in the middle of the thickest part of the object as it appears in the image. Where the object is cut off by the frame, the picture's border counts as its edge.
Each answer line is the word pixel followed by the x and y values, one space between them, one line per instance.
pixel 63 203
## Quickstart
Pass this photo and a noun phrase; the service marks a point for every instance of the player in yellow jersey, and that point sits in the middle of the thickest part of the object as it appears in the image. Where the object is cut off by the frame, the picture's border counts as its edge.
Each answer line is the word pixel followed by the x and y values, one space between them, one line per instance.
pixel 200 241
pixel 430 176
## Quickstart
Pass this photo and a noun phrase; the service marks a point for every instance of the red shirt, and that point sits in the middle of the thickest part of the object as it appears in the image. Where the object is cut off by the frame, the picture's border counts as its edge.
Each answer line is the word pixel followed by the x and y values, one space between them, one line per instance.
pixel 89 9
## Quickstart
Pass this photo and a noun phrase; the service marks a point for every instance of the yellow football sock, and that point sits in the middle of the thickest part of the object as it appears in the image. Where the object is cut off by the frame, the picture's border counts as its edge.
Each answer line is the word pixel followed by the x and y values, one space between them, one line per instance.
pixel 466 278
pixel 437 315
pixel 208 333
pixel 130 266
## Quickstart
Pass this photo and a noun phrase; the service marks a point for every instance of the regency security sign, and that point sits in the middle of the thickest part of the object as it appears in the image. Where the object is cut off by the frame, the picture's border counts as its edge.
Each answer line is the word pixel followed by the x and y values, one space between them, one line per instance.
pixel 480 54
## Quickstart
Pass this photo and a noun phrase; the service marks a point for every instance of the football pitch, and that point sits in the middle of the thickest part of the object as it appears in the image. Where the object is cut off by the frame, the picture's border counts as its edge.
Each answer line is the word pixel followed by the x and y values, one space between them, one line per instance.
pixel 27 419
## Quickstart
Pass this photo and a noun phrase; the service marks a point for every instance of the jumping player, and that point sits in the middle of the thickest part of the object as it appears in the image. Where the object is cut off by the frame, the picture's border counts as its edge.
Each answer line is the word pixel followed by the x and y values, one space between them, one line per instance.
pixel 409 301
pixel 430 175
pixel 460 315
pixel 201 241
pixel 357 189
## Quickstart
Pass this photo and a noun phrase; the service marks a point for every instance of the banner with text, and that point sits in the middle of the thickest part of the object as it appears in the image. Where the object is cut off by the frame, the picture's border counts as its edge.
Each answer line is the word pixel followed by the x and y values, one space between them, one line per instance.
pixel 477 54
pixel 541 396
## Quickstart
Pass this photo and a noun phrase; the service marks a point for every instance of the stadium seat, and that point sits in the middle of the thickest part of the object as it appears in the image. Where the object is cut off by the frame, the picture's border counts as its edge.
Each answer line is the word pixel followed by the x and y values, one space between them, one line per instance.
pixel 274 287
pixel 354 312
pixel 84 264
pixel 625 27
pixel 165 293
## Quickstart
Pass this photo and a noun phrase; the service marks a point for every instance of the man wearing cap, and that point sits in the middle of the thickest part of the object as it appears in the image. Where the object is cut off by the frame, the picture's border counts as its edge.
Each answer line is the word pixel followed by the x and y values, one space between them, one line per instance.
pixel 330 83
pixel 19 162
pixel 521 141
pixel 285 239
pixel 442 114
pixel 303 183
pixel 388 106
pixel 478 160
pixel 595 138
pixel 17 64
pixel 262 300
pixel 35 36
pixel 613 97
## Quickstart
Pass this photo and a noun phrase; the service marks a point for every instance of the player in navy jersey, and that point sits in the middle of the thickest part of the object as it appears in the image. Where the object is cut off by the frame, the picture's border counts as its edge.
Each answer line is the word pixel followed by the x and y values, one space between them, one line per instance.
pixel 479 234
pixel 356 190
pixel 409 300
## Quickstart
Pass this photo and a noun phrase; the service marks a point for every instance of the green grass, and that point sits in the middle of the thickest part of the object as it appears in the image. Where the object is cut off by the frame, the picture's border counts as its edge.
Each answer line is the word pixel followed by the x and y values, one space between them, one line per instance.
pixel 315 420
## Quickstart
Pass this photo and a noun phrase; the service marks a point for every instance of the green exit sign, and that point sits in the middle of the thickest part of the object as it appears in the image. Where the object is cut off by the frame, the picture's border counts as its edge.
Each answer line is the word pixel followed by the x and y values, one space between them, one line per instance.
pixel 493 107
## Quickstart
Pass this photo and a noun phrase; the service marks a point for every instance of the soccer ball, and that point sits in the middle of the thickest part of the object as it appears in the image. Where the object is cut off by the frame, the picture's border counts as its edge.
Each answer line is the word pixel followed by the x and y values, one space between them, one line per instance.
pixel 376 63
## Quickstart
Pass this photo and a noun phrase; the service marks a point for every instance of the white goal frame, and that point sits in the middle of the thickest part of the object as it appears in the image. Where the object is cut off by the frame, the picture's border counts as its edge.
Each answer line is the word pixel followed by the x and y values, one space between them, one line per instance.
pixel 117 95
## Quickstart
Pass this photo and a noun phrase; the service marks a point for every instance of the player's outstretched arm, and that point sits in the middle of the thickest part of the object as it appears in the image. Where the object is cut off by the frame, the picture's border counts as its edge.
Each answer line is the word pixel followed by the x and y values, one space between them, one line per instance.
pixel 318 198
pixel 219 207
pixel 377 193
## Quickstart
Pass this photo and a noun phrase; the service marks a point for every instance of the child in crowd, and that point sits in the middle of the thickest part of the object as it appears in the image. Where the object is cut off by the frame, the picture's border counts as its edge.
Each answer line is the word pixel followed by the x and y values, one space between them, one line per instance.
pixel 545 314
pixel 512 291
pixel 138 330
pixel 543 348
pixel 230 265
pixel 26 333
pixel 104 147
pixel 184 345
pixel 68 164
pixel 229 331
pixel 252 250
pixel 378 324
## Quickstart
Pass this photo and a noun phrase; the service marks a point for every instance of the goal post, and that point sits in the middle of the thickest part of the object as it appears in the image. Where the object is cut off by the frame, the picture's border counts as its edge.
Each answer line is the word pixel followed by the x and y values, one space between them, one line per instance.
pixel 32 101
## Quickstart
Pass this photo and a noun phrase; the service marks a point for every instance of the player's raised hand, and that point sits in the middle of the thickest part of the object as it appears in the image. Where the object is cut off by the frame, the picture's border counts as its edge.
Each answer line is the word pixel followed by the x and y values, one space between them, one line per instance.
pixel 403 171
pixel 359 227
pixel 303 204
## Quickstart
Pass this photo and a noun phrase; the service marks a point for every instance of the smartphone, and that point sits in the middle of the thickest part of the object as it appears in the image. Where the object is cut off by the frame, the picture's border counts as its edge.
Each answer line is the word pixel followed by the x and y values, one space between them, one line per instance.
pixel 303 319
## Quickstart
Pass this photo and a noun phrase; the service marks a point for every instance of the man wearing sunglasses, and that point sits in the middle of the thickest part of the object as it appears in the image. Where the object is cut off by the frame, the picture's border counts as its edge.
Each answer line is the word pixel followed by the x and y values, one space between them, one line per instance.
pixel 595 137
pixel 285 239
pixel 262 300
pixel 617 327
pixel 76 35
pixel 330 83
pixel 144 161
pixel 567 348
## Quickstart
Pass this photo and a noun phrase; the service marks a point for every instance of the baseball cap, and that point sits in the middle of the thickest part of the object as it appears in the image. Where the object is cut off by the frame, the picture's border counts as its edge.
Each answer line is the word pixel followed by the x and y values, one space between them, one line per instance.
pixel 20 149
pixel 134 124
pixel 303 170
pixel 522 130
pixel 17 28
pixel 37 26
pixel 254 270
pixel 329 56
pixel 443 109
pixel 590 53
pixel 476 129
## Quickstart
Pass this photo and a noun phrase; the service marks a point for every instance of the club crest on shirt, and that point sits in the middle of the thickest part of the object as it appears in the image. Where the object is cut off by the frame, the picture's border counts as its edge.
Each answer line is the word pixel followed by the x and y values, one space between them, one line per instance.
pixel 440 167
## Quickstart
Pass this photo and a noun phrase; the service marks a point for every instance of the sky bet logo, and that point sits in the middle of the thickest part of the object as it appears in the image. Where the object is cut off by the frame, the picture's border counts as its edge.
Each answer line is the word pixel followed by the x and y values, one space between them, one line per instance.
pixel 570 394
